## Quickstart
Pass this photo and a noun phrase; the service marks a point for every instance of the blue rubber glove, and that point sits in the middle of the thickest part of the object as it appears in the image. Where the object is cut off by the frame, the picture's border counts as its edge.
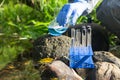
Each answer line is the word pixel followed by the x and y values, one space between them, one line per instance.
pixel 71 11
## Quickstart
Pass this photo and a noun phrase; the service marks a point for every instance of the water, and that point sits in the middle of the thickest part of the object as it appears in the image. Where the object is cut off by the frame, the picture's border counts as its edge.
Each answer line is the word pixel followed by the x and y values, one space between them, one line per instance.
pixel 56 31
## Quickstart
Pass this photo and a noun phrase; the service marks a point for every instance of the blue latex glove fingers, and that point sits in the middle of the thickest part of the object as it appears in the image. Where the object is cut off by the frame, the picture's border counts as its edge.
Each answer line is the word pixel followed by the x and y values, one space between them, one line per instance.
pixel 64 14
pixel 70 12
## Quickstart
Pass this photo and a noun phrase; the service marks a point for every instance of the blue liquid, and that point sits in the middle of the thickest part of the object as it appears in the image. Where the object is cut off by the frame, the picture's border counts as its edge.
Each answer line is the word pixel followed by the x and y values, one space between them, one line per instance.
pixel 57 31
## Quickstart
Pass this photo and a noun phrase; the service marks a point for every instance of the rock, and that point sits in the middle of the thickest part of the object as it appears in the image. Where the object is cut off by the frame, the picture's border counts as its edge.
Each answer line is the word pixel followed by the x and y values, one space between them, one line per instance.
pixel 107 71
pixel 103 56
pixel 62 71
pixel 51 46
pixel 103 71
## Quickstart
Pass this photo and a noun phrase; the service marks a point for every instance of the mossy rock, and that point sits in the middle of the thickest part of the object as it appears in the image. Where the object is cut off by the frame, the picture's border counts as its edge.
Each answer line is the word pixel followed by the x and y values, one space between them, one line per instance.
pixel 51 46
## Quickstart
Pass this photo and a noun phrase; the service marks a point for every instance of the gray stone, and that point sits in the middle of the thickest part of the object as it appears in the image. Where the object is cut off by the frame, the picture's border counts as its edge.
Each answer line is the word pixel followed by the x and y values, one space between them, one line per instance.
pixel 107 71
pixel 103 56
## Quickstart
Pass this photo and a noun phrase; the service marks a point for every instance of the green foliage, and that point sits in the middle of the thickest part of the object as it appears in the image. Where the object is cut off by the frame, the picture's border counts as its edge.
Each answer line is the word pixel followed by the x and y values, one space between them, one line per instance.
pixel 18 19
pixel 7 54
pixel 26 21
pixel 20 22
pixel 49 8
pixel 113 40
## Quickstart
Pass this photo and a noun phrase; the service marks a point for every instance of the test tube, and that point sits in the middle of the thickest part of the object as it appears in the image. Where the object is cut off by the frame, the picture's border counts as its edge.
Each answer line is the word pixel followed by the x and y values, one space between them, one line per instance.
pixel 89 35
pixel 78 37
pixel 84 36
pixel 72 37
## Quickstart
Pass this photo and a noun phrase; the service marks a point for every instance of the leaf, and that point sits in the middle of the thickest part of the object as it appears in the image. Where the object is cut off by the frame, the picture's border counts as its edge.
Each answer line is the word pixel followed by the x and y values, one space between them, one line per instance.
pixel 11 67
pixel 11 23
pixel 54 79
pixel 46 60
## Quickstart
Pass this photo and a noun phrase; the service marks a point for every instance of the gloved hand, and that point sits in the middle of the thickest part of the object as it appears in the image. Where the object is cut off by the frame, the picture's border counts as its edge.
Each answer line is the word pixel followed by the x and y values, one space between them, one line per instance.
pixel 71 11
